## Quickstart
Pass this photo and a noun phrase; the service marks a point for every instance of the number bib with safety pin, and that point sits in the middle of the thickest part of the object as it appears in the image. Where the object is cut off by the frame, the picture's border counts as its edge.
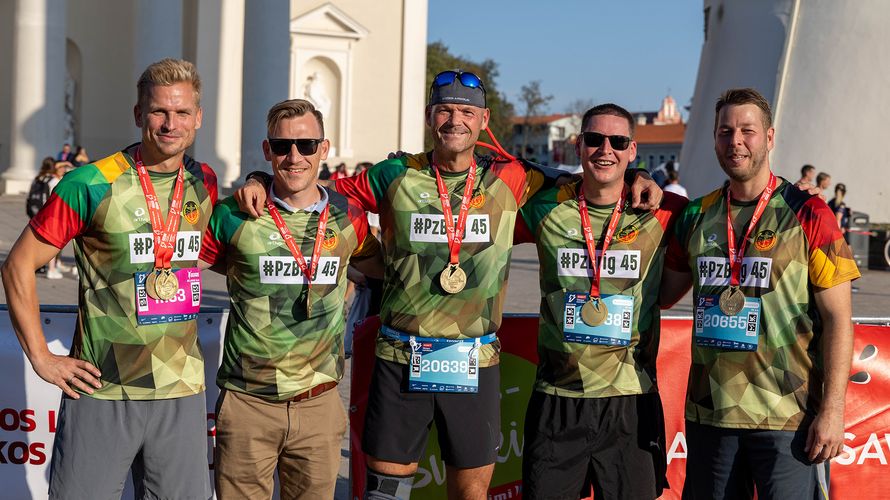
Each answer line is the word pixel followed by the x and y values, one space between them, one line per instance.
pixel 444 365
pixel 183 306
pixel 615 330
pixel 716 330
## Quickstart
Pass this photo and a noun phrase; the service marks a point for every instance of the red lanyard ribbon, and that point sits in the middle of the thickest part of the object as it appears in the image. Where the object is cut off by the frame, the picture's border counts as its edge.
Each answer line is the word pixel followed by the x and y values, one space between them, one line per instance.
pixel 455 234
pixel 736 256
pixel 591 241
pixel 164 234
pixel 308 272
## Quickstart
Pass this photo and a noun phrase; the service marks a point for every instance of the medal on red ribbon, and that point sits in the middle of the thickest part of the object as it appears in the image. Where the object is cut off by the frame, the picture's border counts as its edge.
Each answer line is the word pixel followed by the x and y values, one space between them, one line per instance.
pixel 594 312
pixel 732 300
pixel 453 279
pixel 308 270
pixel 161 283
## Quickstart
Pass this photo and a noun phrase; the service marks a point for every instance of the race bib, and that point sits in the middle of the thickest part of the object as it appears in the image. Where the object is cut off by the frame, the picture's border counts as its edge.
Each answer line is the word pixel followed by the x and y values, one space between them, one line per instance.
pixel 716 330
pixel 284 270
pixel 183 306
pixel 755 272
pixel 444 365
pixel 188 245
pixel 430 228
pixel 616 264
pixel 615 330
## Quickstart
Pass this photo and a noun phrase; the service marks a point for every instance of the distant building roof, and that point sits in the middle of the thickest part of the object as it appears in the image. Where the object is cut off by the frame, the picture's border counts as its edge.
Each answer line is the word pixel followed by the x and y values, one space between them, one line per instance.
pixel 539 120
pixel 660 134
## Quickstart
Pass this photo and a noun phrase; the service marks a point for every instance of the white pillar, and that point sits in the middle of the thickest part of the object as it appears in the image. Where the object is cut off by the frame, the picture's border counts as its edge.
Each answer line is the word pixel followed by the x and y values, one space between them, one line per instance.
pixel 157 33
pixel 266 74
pixel 411 125
pixel 219 58
pixel 38 90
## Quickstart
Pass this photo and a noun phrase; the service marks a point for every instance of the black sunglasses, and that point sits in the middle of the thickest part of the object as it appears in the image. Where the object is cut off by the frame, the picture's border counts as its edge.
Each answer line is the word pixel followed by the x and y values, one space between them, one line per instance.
pixel 595 140
pixel 306 147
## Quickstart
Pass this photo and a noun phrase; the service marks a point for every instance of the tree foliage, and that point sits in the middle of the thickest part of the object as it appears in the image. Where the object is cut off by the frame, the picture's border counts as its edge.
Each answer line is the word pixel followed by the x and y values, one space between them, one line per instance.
pixel 439 59
pixel 534 103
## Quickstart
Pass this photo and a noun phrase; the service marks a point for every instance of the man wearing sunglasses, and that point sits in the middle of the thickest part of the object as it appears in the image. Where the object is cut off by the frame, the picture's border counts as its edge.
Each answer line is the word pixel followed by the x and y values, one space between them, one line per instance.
pixel 447 219
pixel 772 337
pixel 133 383
pixel 595 418
pixel 283 353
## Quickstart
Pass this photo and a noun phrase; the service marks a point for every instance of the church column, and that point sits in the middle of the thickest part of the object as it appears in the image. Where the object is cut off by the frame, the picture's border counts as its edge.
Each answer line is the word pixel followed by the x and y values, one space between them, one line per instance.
pixel 157 32
pixel 219 58
pixel 266 74
pixel 413 95
pixel 38 90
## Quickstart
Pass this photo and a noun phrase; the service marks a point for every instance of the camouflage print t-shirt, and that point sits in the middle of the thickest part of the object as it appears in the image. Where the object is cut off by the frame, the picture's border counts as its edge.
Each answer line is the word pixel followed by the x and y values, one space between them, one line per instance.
pixel 795 248
pixel 102 207
pixel 273 349
pixel 632 266
pixel 403 191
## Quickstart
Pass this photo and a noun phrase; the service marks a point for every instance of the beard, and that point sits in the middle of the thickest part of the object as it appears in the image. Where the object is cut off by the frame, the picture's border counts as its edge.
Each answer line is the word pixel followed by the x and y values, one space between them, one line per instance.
pixel 756 163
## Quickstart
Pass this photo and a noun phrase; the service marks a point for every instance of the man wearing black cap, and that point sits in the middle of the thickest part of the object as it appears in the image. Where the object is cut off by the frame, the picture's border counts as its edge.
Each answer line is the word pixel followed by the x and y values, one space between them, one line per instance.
pixel 447 219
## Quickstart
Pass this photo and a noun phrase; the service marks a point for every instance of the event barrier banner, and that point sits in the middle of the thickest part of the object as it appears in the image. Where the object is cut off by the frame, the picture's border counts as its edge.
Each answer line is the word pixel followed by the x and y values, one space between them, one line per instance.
pixel 28 407
pixel 861 467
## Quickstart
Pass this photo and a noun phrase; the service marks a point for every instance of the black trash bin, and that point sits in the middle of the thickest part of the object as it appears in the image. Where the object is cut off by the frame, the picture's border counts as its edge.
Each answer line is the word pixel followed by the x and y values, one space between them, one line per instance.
pixel 858 238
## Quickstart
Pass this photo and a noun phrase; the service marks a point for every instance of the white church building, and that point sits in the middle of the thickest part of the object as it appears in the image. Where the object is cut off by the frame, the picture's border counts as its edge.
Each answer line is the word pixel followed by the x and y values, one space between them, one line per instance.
pixel 70 71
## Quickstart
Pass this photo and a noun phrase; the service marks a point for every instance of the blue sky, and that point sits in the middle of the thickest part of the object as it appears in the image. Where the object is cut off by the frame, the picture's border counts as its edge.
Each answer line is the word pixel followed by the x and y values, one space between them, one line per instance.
pixel 631 52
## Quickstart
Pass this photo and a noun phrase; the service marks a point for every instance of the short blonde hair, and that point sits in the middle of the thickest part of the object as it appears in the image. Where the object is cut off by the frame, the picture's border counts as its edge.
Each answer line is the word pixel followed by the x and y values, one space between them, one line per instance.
pixel 291 109
pixel 168 72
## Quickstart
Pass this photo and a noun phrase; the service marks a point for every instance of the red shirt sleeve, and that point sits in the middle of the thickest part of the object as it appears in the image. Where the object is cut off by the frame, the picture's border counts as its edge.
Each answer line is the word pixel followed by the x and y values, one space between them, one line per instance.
pixel 358 190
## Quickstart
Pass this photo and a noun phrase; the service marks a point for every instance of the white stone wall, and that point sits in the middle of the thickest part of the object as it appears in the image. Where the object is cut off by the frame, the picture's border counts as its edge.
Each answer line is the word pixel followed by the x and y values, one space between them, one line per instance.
pixel 822 64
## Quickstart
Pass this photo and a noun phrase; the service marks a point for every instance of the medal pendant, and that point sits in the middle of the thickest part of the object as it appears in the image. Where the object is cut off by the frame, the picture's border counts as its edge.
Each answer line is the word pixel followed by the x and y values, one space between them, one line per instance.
pixel 731 301
pixel 150 280
pixel 453 279
pixel 594 312
pixel 166 284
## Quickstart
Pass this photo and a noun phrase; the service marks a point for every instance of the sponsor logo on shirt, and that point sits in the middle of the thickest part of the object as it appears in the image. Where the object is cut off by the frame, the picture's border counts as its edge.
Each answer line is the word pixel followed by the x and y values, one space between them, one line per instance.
pixel 478 201
pixel 627 235
pixel 425 197
pixel 330 239
pixel 765 240
pixel 284 270
pixel 191 212
pixel 624 264
pixel 430 228
pixel 755 272
pixel 188 244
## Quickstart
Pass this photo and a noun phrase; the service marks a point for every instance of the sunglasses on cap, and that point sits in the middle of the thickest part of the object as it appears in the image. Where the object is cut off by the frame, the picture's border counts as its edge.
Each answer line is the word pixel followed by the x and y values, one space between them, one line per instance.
pixel 595 140
pixel 466 79
pixel 306 147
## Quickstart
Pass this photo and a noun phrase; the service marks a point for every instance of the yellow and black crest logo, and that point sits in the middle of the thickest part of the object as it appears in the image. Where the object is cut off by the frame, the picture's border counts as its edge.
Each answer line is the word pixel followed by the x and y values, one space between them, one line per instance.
pixel 330 239
pixel 627 234
pixel 191 212
pixel 478 201
pixel 765 240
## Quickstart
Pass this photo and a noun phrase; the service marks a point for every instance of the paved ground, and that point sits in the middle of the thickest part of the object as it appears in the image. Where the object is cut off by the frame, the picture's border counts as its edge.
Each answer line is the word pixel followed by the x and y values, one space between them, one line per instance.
pixel 871 301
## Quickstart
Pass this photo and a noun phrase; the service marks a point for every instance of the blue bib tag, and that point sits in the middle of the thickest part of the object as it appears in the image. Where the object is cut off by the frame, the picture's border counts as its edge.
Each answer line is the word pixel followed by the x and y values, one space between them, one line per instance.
pixel 616 328
pixel 444 365
pixel 715 329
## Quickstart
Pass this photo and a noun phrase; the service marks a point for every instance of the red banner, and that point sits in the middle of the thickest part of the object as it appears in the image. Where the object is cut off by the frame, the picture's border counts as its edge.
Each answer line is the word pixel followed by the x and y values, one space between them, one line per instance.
pixel 867 439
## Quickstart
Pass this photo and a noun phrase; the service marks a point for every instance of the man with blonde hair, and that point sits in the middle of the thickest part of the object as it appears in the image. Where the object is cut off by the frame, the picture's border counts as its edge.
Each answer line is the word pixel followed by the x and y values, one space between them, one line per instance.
pixel 284 353
pixel 134 382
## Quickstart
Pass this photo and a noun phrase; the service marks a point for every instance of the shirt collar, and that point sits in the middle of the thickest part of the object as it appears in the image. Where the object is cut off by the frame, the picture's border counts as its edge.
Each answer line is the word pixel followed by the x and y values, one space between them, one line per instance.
pixel 318 206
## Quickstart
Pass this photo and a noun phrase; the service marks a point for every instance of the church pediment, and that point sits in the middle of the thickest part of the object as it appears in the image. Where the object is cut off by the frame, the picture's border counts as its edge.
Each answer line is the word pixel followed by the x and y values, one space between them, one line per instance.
pixel 328 20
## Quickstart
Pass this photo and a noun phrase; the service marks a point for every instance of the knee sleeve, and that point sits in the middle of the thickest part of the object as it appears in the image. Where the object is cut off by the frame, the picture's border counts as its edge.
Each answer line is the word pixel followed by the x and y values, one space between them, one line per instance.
pixel 381 486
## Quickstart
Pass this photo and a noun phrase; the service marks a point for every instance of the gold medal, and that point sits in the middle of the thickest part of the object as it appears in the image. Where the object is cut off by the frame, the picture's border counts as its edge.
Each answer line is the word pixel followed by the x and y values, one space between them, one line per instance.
pixel 594 312
pixel 166 284
pixel 150 280
pixel 732 300
pixel 453 279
